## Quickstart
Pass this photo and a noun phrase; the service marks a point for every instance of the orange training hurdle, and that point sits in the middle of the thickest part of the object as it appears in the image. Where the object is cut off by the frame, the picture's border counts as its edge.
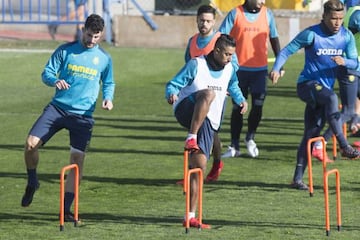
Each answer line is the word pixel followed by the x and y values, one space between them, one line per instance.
pixel 338 201
pixel 310 141
pixel 186 168
pixel 76 193
pixel 199 172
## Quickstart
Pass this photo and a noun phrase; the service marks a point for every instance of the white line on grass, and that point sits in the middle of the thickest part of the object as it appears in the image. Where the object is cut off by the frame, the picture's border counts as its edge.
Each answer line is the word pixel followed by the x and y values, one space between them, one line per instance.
pixel 17 50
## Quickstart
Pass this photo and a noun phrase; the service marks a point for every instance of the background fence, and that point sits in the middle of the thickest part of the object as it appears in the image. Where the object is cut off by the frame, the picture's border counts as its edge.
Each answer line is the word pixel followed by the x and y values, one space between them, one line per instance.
pixel 27 12
pixel 42 11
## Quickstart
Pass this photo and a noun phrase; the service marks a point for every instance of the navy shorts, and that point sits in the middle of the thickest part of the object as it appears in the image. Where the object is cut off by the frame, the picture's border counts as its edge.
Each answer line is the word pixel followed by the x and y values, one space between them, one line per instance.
pixel 349 91
pixel 253 81
pixel 54 119
pixel 315 94
pixel 205 137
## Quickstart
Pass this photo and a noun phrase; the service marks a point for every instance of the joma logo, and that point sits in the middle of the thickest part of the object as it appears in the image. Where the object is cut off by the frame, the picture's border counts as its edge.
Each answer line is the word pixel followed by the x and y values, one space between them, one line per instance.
pixel 329 51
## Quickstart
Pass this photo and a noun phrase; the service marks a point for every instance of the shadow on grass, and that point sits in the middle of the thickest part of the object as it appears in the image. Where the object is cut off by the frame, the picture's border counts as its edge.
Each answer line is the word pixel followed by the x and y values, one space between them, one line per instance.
pixel 151 138
pixel 282 91
pixel 41 218
pixel 134 120
pixel 98 150
pixel 264 145
pixel 154 128
pixel 209 187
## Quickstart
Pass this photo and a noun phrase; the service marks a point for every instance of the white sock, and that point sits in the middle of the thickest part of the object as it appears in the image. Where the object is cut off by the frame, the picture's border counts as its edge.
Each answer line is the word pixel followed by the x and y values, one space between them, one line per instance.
pixel 318 145
pixel 191 215
pixel 191 135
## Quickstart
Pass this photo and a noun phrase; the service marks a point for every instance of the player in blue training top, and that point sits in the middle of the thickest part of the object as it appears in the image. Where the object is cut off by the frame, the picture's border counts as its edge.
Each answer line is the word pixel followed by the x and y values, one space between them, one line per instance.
pixel 348 87
pixel 347 3
pixel 197 94
pixel 352 22
pixel 327 46
pixel 350 3
pixel 77 71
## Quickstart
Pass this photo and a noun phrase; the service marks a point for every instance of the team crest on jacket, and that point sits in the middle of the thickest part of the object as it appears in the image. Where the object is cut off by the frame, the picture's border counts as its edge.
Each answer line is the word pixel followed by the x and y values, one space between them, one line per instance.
pixel 351 78
pixel 318 87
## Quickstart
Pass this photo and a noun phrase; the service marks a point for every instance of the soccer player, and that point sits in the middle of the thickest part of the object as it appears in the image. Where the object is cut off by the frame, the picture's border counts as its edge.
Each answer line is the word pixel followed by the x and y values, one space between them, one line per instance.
pixel 348 87
pixel 327 46
pixel 252 25
pixel 350 3
pixel 197 93
pixel 199 44
pixel 352 22
pixel 76 71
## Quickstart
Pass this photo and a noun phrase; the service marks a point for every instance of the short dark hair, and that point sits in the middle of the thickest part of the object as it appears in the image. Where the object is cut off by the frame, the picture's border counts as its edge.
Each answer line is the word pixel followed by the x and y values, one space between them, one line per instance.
pixel 95 23
pixel 333 5
pixel 206 9
pixel 224 41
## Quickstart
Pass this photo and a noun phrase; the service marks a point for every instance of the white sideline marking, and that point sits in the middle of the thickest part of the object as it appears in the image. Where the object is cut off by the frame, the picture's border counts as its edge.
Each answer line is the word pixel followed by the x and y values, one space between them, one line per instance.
pixel 17 50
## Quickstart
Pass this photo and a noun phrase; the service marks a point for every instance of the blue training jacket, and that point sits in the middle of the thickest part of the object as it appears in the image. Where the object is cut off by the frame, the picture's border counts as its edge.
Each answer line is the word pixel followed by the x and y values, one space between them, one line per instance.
pixel 85 70
pixel 320 47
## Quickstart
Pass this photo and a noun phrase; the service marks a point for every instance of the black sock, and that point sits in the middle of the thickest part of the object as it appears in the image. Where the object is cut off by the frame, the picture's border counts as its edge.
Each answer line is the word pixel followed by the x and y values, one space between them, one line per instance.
pixel 32 177
pixel 68 200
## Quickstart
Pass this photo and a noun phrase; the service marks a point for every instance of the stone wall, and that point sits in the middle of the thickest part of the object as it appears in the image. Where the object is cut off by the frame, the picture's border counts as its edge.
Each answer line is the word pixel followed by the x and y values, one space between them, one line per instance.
pixel 174 31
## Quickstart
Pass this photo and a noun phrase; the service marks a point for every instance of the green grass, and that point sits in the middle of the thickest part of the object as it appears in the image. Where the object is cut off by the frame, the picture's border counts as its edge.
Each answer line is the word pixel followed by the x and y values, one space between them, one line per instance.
pixel 128 190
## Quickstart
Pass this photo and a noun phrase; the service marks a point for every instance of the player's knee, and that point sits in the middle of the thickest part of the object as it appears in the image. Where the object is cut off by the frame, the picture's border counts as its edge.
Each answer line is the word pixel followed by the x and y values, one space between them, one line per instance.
pixel 206 94
pixel 32 143
pixel 333 99
pixel 335 115
pixel 77 155
pixel 210 94
pixel 258 99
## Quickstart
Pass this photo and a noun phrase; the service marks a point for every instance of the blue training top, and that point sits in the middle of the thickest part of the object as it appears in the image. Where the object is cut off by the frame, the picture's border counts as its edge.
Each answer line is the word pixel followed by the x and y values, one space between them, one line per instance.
pixel 84 69
pixel 354 21
pixel 320 47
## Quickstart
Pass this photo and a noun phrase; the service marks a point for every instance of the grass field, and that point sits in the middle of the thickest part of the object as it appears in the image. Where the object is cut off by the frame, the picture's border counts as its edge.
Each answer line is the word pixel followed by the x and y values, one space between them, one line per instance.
pixel 129 191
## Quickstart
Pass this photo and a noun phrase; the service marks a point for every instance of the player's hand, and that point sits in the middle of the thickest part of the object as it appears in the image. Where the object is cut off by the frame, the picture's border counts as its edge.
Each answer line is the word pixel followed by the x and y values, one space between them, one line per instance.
pixel 107 105
pixel 274 76
pixel 172 99
pixel 61 84
pixel 339 60
pixel 244 107
pixel 282 72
